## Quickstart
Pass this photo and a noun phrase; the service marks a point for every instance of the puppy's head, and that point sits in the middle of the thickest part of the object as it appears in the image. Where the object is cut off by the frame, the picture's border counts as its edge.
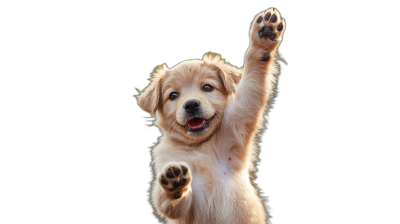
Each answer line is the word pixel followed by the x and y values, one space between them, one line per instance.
pixel 191 97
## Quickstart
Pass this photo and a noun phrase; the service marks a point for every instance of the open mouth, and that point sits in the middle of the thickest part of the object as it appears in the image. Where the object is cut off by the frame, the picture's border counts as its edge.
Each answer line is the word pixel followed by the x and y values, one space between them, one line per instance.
pixel 197 125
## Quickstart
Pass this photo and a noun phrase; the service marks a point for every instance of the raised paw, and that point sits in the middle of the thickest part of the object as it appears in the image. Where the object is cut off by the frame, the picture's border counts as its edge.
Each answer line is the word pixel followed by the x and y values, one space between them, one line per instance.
pixel 267 30
pixel 175 179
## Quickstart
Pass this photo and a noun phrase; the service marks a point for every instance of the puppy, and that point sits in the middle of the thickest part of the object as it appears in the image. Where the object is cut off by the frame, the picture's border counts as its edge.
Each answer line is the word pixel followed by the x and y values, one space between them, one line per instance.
pixel 210 113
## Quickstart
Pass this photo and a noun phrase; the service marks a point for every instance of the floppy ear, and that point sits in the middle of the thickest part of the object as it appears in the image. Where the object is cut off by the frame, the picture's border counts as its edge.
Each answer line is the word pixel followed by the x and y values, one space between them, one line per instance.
pixel 229 75
pixel 149 98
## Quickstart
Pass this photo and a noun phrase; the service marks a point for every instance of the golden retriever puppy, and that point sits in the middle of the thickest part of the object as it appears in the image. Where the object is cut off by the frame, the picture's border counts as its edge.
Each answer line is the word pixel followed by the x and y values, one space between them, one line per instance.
pixel 209 113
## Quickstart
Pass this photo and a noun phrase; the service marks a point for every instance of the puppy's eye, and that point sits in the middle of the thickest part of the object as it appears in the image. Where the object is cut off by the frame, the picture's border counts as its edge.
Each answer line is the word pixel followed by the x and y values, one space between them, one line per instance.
pixel 207 88
pixel 173 95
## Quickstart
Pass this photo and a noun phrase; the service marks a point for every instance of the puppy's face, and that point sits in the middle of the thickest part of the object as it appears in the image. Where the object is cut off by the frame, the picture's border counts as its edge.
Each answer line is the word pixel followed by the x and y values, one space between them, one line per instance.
pixel 192 97
pixel 193 101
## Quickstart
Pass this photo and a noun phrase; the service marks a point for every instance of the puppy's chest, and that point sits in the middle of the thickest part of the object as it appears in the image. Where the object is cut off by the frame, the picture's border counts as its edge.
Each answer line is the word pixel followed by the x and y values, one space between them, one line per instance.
pixel 212 167
pixel 213 163
pixel 212 174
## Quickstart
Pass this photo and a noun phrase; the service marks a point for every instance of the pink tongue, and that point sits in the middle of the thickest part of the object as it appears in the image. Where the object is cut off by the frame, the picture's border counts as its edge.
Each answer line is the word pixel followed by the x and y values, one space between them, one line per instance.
pixel 196 123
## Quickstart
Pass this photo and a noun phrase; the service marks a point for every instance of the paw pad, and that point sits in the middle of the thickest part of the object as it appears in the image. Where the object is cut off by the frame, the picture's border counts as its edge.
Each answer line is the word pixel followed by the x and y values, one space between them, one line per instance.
pixel 177 195
pixel 176 171
pixel 184 169
pixel 259 19
pixel 164 181
pixel 267 16
pixel 267 30
pixel 280 27
pixel 265 57
pixel 274 18
pixel 174 178
pixel 169 174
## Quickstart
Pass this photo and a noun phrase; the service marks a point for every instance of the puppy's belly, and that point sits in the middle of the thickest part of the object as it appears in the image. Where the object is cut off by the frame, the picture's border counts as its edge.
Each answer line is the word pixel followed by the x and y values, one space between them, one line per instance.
pixel 223 198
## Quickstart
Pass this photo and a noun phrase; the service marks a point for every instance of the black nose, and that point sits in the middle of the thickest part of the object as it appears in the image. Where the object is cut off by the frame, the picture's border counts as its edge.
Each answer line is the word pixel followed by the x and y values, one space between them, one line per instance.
pixel 191 106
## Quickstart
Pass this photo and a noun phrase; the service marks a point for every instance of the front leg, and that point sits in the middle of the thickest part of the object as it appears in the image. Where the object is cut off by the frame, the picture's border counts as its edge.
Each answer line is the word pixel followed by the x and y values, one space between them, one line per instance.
pixel 172 190
pixel 258 81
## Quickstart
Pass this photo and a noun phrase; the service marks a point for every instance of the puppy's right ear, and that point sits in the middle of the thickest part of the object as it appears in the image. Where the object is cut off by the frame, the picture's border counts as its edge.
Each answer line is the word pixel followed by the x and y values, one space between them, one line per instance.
pixel 149 98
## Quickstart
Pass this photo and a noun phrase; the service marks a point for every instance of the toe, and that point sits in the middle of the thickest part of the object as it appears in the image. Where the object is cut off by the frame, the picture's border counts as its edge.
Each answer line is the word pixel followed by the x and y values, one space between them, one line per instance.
pixel 169 174
pixel 280 27
pixel 283 25
pixel 184 170
pixel 177 171
pixel 164 181
pixel 259 20
pixel 267 16
pixel 274 18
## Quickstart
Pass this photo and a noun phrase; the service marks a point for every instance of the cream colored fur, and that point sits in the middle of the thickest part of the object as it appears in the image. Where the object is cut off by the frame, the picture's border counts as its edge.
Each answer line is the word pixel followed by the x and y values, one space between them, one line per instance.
pixel 221 160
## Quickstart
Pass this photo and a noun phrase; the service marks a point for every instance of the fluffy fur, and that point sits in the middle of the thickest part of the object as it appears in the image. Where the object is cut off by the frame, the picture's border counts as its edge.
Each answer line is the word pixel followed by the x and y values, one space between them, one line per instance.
pixel 213 168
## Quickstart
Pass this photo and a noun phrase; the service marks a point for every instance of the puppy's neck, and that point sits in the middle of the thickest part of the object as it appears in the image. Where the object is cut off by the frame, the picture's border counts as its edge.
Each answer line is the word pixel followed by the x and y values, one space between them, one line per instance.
pixel 188 142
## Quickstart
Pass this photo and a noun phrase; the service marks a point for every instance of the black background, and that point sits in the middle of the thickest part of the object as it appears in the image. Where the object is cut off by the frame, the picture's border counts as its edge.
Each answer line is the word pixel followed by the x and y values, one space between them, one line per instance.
pixel 112 49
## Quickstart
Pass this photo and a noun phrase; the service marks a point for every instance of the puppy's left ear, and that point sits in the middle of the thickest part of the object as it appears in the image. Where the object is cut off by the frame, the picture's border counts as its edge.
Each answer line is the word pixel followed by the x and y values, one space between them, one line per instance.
pixel 228 74
pixel 149 98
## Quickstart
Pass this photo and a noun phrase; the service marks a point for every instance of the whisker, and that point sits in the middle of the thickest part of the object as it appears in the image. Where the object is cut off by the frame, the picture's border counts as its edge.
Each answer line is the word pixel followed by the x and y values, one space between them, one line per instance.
pixel 221 115
pixel 171 121
pixel 223 111
pixel 169 126
pixel 170 136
